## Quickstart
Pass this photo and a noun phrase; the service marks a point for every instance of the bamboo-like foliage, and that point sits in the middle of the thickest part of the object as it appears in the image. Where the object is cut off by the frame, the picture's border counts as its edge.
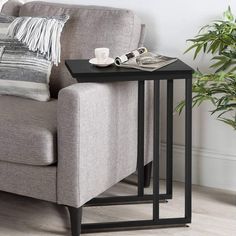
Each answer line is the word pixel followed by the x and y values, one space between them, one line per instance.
pixel 219 88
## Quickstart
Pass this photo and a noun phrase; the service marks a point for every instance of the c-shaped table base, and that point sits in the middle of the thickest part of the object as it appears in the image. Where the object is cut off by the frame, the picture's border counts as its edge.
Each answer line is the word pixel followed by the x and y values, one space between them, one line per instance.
pixel 156 197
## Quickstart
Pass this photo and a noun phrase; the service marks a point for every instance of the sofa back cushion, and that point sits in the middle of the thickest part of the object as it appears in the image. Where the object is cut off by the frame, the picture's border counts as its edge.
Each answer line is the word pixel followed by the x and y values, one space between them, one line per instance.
pixel 11 7
pixel 89 27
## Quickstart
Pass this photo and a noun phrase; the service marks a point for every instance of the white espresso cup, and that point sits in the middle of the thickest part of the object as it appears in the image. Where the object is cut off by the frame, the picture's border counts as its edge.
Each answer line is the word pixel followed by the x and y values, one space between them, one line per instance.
pixel 102 54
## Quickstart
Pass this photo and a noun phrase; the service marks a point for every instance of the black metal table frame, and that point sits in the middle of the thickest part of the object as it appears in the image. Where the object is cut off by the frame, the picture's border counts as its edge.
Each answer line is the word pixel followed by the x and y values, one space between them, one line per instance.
pixel 156 197
pixel 84 73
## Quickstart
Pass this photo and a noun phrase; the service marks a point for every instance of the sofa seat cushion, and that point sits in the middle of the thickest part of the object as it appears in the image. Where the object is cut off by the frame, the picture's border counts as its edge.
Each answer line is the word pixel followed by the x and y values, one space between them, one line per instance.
pixel 27 131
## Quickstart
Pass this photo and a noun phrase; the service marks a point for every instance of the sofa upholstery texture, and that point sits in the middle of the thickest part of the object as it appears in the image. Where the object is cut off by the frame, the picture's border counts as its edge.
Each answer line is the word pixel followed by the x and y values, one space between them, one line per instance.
pixel 12 7
pixel 38 182
pixel 28 131
pixel 89 27
pixel 73 148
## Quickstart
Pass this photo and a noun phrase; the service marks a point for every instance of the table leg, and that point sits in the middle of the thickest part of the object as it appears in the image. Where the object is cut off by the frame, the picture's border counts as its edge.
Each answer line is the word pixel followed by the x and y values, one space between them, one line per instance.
pixel 156 150
pixel 140 160
pixel 188 148
pixel 169 141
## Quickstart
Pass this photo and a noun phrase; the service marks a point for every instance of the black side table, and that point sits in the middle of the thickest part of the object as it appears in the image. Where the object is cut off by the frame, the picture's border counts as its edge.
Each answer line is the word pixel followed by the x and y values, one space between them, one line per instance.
pixel 86 73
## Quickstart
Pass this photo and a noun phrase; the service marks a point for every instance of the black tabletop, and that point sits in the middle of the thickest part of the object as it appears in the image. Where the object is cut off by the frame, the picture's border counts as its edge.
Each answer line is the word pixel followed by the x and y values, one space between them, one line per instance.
pixel 83 71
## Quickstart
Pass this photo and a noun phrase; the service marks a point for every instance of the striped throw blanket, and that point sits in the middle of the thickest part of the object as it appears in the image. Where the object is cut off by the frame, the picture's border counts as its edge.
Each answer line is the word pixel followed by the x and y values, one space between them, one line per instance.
pixel 28 48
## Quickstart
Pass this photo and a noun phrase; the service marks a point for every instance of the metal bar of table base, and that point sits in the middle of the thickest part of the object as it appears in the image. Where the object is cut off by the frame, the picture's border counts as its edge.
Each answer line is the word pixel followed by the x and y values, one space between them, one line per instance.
pixel 188 148
pixel 140 148
pixel 133 225
pixel 126 200
pixel 169 141
pixel 156 150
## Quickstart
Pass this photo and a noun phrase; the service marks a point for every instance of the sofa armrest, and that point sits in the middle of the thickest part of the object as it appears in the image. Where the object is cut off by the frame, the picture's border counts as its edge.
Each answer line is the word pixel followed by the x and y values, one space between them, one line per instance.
pixel 97 139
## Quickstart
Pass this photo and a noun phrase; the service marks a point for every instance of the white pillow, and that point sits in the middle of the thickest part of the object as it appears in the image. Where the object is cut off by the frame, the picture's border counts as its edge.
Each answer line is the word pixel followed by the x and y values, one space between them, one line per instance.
pixel 25 70
pixel 4 28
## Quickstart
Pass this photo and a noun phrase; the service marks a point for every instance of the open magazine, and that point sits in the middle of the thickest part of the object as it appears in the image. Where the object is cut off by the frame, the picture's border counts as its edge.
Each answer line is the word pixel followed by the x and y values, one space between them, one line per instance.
pixel 141 59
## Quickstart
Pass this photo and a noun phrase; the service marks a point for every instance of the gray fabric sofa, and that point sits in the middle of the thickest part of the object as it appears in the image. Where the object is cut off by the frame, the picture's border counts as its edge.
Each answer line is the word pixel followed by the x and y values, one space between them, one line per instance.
pixel 83 141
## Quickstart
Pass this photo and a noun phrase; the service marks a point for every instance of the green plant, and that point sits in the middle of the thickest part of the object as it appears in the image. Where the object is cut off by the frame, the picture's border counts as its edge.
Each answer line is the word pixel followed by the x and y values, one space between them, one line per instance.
pixel 219 88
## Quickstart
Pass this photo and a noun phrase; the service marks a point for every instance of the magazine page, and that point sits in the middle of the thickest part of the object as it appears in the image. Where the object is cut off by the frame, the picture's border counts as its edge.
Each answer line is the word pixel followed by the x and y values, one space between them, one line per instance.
pixel 145 61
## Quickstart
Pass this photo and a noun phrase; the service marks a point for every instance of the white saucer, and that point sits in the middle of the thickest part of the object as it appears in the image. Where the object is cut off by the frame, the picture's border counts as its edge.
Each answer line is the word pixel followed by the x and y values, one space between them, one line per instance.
pixel 94 61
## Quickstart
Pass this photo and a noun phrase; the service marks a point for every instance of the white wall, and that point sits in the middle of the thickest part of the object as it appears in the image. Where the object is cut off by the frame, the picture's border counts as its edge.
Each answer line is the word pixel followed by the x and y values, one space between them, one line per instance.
pixel 169 24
